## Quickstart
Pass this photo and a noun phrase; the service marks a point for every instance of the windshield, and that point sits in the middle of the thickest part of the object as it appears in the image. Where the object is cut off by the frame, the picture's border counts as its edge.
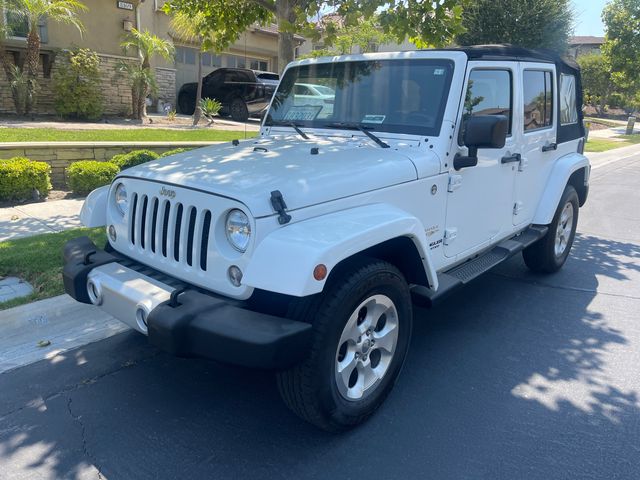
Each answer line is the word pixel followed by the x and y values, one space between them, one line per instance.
pixel 400 96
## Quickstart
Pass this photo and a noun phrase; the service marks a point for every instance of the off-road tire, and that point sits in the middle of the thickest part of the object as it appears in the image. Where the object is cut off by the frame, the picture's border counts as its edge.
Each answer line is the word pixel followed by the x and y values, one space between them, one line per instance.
pixel 186 104
pixel 541 256
pixel 309 389
pixel 238 110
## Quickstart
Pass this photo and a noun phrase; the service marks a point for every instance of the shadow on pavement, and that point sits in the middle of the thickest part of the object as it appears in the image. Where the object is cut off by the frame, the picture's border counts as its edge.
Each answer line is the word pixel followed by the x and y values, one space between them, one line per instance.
pixel 506 379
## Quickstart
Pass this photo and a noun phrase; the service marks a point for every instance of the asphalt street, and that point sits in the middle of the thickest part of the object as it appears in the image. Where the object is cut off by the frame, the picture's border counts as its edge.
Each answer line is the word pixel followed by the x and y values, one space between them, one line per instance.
pixel 518 376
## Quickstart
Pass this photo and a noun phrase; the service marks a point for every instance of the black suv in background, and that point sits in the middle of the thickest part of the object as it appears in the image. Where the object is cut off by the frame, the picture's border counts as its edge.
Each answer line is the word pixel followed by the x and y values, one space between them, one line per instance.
pixel 242 92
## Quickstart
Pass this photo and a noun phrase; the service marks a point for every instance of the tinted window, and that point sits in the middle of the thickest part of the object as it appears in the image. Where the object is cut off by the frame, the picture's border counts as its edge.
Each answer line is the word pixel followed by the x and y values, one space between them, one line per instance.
pixel 269 76
pixel 568 104
pixel 404 96
pixel 538 99
pixel 488 93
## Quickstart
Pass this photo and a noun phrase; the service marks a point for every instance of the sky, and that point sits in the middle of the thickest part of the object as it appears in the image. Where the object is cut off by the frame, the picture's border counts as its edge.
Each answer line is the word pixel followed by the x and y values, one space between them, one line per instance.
pixel 588 21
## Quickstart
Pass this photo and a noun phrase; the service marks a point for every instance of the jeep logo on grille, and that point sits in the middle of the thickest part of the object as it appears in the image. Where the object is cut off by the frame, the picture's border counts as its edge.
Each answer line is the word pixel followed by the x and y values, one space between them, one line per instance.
pixel 167 193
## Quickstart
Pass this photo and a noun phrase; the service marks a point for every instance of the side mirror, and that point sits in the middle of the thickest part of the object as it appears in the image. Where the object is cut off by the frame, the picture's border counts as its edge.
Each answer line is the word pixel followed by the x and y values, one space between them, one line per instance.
pixel 482 131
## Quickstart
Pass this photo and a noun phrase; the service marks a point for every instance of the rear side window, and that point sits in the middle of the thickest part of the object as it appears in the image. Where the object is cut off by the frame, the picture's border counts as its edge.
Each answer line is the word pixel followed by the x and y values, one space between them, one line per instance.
pixel 269 76
pixel 489 92
pixel 568 104
pixel 538 99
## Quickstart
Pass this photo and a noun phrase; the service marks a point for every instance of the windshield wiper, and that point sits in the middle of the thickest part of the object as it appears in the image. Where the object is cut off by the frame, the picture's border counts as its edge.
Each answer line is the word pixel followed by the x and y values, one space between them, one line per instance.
pixel 362 128
pixel 292 125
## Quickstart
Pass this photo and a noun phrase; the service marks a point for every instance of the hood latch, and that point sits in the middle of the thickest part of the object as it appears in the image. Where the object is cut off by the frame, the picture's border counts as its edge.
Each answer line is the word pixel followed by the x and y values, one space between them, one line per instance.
pixel 277 201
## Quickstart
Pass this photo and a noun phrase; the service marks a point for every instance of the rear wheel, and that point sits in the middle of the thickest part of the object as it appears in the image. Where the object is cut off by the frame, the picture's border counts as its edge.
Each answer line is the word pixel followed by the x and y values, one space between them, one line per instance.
pixel 238 110
pixel 549 253
pixel 362 327
pixel 186 104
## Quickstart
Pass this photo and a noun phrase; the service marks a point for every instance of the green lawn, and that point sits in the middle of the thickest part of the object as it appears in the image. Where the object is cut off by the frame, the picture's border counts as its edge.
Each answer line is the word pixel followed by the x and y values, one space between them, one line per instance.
pixel 602 145
pixel 603 121
pixel 38 260
pixel 119 135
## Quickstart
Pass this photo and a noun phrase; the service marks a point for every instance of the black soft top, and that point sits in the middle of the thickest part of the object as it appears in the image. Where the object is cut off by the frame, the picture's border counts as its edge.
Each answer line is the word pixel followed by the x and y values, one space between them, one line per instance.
pixel 520 54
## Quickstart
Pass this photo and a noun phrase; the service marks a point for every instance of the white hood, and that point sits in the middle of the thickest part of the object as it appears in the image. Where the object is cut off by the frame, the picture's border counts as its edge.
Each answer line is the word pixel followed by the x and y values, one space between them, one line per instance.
pixel 250 171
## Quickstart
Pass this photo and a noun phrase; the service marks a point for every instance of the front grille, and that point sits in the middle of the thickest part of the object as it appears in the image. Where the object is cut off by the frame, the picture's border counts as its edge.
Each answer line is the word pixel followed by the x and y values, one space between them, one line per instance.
pixel 163 228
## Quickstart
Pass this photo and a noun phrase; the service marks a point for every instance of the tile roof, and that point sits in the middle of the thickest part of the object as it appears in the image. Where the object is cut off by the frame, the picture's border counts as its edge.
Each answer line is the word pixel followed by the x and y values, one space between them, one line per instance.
pixel 586 40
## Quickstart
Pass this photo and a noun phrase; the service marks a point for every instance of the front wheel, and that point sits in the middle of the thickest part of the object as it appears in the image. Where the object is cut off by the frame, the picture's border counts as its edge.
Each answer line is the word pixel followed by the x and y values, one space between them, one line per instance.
pixel 549 253
pixel 362 328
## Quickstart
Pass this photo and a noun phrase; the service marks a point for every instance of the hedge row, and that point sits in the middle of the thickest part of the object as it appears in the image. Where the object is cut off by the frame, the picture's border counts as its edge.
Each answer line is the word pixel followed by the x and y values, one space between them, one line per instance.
pixel 23 179
pixel 87 175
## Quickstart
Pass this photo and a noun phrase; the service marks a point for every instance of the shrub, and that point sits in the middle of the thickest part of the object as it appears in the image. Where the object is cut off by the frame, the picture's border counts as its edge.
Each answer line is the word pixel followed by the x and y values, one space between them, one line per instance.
pixel 77 86
pixel 210 108
pixel 131 159
pixel 20 177
pixel 87 175
pixel 175 151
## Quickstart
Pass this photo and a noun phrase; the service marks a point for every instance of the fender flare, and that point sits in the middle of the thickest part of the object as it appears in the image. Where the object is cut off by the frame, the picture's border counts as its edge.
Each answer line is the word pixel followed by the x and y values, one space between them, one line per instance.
pixel 284 261
pixel 556 183
pixel 94 209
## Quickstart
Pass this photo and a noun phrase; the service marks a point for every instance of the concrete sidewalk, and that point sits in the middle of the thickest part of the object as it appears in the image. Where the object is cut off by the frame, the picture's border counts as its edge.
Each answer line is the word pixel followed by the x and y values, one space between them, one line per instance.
pixel 42 217
pixel 48 328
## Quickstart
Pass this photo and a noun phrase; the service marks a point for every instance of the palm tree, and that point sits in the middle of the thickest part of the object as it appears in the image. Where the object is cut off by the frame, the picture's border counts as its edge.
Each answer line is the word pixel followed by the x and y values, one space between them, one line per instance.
pixel 34 12
pixel 141 75
pixel 195 29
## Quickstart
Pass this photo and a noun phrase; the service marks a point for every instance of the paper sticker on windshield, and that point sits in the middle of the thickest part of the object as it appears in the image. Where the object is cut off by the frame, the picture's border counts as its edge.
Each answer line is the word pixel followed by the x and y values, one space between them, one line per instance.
pixel 373 118
pixel 303 112
pixel 438 71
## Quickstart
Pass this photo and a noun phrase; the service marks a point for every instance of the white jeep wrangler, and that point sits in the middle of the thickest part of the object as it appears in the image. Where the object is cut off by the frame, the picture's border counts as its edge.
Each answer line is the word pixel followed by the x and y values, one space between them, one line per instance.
pixel 302 250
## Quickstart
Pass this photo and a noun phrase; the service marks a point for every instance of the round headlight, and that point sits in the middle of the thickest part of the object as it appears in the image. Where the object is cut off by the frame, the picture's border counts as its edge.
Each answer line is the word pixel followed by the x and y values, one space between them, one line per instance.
pixel 238 230
pixel 121 198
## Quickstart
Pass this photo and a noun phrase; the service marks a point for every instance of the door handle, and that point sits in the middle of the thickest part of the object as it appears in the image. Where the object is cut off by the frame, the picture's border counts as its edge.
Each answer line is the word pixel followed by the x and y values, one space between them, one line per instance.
pixel 549 147
pixel 511 158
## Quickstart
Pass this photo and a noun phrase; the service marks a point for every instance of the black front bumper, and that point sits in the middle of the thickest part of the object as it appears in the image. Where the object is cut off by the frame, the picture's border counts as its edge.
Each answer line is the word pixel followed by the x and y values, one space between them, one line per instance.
pixel 199 324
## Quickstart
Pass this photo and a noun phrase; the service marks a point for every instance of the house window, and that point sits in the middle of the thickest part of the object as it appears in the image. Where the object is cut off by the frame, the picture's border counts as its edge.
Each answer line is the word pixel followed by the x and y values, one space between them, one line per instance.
pixel 538 99
pixel 18 26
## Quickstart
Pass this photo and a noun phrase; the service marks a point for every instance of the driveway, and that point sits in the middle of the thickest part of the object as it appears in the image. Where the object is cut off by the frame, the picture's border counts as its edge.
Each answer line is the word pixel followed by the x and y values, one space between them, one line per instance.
pixel 516 376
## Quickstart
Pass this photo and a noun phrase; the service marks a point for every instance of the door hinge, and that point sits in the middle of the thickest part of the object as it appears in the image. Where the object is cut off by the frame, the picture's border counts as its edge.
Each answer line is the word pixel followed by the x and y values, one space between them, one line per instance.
pixel 455 181
pixel 450 235
pixel 517 208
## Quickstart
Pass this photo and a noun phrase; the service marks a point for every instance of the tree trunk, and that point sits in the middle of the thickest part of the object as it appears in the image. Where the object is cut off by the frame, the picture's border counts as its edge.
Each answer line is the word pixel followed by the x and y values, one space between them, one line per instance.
pixel 142 101
pixel 197 113
pixel 286 18
pixel 32 64
pixel 135 91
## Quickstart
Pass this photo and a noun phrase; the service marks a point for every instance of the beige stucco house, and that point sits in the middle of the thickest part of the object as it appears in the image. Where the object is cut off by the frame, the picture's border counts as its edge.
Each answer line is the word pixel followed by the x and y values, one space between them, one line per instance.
pixel 106 22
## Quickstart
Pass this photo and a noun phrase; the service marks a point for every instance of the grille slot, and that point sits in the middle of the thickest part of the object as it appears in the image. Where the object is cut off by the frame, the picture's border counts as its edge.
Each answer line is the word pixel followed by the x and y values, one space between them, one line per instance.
pixel 204 240
pixel 143 220
pixel 177 232
pixel 154 224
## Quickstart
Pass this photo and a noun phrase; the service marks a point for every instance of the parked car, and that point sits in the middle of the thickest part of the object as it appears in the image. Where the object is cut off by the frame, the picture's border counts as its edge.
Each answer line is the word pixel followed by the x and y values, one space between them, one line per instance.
pixel 242 92
pixel 314 94
pixel 302 250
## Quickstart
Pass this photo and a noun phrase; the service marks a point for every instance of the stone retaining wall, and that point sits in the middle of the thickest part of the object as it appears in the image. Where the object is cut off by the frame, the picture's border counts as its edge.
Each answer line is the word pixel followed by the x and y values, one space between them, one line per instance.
pixel 115 87
pixel 60 157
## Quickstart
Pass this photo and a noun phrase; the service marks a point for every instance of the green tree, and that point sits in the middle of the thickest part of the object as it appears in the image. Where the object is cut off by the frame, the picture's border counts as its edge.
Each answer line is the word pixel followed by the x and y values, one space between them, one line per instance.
pixel 76 85
pixel 425 23
pixel 597 82
pixel 365 35
pixel 141 75
pixel 34 12
pixel 622 43
pixel 195 28
pixel 526 23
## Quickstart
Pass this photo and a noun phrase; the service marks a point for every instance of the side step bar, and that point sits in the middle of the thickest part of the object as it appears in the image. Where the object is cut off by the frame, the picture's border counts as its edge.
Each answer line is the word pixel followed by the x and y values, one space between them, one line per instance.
pixel 464 273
